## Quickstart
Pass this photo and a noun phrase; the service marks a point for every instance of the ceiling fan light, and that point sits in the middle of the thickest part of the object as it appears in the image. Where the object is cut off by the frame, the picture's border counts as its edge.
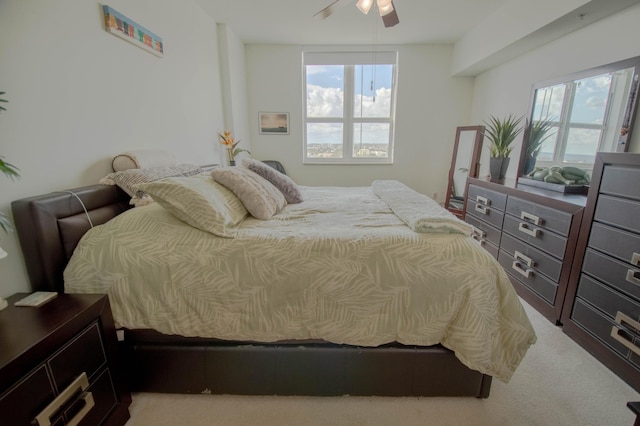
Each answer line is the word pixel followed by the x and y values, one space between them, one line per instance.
pixel 364 5
pixel 385 7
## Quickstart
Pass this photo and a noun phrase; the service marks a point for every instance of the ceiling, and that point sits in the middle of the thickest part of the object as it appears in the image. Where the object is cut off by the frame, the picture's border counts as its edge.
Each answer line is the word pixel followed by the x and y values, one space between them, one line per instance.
pixel 292 21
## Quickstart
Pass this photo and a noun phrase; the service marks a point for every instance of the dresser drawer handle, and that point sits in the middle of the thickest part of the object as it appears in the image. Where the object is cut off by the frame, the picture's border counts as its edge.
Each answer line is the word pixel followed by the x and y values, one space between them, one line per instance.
pixel 482 200
pixel 523 227
pixel 479 239
pixel 482 209
pixel 531 218
pixel 624 320
pixel 635 259
pixel 633 277
pixel 75 389
pixel 517 266
pixel 525 259
pixel 479 233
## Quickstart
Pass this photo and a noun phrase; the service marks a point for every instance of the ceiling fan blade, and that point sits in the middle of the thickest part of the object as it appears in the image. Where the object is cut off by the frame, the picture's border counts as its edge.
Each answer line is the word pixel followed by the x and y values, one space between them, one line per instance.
pixel 391 18
pixel 328 11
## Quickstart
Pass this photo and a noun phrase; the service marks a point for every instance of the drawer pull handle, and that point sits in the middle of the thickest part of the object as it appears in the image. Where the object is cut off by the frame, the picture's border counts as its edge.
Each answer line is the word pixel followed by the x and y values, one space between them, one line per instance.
pixel 482 200
pixel 635 259
pixel 623 319
pixel 517 266
pixel 480 240
pixel 482 209
pixel 525 259
pixel 79 385
pixel 479 233
pixel 531 218
pixel 523 227
pixel 633 277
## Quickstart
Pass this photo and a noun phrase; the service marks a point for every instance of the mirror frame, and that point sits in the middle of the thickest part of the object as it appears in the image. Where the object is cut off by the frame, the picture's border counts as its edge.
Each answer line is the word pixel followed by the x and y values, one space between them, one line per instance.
pixel 474 166
pixel 631 108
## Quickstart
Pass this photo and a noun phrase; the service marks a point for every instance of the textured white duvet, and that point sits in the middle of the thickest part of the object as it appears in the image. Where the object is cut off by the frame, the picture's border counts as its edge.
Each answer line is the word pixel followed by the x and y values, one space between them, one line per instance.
pixel 340 266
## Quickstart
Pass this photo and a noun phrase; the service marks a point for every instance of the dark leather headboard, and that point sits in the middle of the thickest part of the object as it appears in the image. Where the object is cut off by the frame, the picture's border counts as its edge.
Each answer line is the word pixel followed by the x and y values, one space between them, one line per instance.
pixel 50 226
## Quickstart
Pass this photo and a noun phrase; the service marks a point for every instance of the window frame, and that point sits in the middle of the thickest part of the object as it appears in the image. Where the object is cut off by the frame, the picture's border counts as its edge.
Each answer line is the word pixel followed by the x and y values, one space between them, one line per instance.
pixel 350 60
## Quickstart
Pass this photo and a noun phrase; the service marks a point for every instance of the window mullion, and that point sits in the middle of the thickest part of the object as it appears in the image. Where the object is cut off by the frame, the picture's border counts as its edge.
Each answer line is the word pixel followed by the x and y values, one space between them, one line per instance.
pixel 349 91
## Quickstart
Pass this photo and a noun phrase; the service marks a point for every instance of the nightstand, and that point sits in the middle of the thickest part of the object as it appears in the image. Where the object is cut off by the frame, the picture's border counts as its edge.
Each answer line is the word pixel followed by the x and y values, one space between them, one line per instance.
pixel 58 363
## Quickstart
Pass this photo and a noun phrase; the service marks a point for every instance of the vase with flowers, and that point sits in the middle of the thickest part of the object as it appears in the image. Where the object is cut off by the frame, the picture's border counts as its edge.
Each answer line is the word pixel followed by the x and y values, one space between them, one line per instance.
pixel 231 145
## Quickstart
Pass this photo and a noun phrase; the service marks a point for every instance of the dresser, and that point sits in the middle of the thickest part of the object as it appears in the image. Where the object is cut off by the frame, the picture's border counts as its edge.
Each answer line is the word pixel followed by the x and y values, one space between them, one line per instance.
pixel 532 232
pixel 58 364
pixel 604 288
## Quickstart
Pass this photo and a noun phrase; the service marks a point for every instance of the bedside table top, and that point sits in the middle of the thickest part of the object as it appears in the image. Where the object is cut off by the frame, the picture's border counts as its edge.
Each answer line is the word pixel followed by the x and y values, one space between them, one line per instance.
pixel 28 333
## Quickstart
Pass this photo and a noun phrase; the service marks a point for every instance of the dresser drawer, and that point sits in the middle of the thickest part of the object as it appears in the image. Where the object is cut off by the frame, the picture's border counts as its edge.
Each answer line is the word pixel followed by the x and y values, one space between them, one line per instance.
pixel 487 197
pixel 540 262
pixel 547 217
pixel 618 212
pixel 538 283
pixel 607 300
pixel 537 236
pixel 485 213
pixel 597 325
pixel 484 230
pixel 84 353
pixel 622 245
pixel 621 180
pixel 612 272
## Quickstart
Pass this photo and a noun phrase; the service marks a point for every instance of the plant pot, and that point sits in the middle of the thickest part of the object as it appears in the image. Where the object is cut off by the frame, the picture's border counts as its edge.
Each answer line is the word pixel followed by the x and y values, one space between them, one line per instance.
pixel 232 163
pixel 498 167
pixel 529 164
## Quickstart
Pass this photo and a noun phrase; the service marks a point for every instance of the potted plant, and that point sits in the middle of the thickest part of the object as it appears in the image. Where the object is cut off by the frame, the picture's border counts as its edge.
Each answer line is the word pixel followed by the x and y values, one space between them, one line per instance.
pixel 537 134
pixel 501 133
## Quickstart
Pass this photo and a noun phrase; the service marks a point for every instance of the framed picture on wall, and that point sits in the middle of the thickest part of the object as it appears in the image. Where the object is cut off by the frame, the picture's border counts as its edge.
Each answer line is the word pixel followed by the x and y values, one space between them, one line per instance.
pixel 274 123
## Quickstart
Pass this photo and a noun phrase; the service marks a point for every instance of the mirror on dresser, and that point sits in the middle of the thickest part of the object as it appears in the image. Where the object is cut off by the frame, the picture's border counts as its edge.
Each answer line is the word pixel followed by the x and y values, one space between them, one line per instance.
pixel 571 118
pixel 464 164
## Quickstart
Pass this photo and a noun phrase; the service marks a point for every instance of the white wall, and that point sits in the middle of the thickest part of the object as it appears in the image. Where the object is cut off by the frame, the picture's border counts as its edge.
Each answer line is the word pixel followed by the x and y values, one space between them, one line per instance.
pixel 79 95
pixel 430 105
pixel 507 88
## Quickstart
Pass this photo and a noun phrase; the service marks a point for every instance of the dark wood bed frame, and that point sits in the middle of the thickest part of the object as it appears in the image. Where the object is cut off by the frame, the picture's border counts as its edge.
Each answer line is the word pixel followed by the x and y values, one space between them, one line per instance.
pixel 49 228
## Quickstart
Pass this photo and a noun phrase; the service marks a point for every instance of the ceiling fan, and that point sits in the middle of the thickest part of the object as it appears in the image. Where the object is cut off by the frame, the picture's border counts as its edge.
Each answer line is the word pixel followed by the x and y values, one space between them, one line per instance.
pixel 385 7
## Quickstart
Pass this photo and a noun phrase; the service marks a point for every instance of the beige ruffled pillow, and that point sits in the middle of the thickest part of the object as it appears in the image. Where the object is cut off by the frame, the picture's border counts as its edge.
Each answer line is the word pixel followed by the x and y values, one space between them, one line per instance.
pixel 259 196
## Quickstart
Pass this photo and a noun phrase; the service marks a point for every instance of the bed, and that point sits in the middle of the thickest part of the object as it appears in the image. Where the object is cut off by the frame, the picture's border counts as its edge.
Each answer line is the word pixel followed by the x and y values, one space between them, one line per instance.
pixel 323 342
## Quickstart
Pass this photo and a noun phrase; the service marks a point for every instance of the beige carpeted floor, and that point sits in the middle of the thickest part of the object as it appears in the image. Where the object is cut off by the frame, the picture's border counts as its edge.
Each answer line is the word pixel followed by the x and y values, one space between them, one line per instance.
pixel 558 383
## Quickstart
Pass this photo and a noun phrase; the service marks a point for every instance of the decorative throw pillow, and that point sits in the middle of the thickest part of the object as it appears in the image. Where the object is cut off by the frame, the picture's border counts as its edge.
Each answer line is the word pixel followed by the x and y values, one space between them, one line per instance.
pixel 142 159
pixel 284 183
pixel 259 196
pixel 129 180
pixel 200 202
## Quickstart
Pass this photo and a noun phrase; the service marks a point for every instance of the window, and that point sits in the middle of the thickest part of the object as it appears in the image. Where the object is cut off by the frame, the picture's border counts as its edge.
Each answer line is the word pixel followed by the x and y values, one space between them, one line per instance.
pixel 349 107
pixel 585 117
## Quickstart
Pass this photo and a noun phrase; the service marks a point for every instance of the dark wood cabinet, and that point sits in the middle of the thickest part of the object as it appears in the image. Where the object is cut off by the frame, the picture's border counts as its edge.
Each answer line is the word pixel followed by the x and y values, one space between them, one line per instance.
pixel 532 232
pixel 58 363
pixel 604 289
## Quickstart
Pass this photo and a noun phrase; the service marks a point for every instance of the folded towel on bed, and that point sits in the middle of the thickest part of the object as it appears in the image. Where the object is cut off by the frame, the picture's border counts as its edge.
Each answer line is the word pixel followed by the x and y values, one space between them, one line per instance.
pixel 416 210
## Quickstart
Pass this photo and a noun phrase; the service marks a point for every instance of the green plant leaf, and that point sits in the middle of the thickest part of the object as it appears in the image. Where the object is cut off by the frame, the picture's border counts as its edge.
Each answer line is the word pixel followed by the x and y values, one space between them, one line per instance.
pixel 501 133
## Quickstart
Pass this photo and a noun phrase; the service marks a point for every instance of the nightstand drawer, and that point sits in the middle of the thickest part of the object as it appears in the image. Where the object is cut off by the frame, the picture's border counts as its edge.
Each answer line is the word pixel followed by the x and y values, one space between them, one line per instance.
pixel 486 197
pixel 536 214
pixel 612 272
pixel 537 236
pixel 82 354
pixel 21 404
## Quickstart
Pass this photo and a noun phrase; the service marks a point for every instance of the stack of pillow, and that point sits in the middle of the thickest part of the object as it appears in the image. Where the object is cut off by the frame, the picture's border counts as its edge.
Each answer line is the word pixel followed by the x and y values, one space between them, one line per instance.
pixel 215 202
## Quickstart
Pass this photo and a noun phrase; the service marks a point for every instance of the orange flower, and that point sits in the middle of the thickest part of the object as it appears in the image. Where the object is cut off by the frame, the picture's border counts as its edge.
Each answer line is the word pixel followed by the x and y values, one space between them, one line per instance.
pixel 230 144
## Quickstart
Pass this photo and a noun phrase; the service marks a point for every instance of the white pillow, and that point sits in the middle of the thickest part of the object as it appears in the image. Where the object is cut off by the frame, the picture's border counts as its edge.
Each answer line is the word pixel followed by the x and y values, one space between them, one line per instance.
pixel 259 196
pixel 284 183
pixel 200 202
